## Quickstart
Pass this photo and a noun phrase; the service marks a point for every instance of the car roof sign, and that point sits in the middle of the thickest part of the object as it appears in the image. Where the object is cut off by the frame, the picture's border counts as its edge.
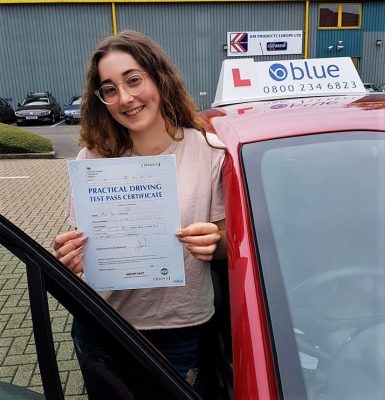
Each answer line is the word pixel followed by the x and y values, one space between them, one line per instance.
pixel 244 80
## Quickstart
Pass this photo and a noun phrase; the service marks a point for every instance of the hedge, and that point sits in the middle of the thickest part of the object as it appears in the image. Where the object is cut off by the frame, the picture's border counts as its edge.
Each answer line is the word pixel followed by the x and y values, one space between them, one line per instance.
pixel 18 140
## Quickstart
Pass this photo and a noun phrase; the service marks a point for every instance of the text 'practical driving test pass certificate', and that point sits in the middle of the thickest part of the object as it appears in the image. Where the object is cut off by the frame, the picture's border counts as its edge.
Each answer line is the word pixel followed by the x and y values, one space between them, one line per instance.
pixel 128 209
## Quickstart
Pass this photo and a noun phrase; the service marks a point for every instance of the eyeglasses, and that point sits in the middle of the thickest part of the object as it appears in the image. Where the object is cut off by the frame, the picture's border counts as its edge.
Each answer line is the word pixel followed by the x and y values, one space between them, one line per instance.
pixel 134 85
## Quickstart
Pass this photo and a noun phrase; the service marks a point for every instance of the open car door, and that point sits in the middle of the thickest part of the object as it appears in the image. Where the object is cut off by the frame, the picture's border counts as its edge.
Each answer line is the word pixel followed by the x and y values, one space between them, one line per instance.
pixel 138 370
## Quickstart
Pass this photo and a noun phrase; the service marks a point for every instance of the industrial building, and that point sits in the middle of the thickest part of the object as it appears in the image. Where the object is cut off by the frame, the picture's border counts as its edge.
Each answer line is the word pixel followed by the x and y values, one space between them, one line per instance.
pixel 45 45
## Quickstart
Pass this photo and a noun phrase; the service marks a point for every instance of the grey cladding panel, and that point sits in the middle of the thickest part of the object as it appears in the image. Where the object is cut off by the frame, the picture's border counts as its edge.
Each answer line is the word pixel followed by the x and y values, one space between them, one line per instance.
pixel 46 47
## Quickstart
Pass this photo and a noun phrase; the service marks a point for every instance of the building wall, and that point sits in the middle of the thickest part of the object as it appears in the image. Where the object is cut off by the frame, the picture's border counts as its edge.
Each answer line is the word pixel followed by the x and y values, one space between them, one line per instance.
pixel 360 43
pixel 46 46
pixel 373 21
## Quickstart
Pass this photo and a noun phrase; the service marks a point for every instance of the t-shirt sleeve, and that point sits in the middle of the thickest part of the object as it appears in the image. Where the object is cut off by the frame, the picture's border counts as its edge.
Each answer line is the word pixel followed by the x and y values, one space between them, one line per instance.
pixel 217 211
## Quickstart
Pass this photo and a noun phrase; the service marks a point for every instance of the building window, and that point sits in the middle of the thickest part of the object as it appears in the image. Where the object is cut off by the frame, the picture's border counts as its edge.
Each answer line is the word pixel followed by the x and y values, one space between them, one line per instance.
pixel 340 15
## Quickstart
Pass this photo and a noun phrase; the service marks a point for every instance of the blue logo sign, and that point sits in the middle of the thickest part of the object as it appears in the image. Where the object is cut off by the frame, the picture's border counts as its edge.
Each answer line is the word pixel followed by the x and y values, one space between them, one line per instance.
pixel 278 72
pixel 274 46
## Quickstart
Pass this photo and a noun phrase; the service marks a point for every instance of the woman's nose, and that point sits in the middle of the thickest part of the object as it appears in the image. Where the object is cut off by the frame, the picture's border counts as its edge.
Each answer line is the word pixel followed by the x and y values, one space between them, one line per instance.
pixel 124 96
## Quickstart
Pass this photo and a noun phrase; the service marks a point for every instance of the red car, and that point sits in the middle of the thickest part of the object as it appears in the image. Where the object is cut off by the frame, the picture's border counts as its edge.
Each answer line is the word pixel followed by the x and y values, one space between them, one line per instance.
pixel 304 183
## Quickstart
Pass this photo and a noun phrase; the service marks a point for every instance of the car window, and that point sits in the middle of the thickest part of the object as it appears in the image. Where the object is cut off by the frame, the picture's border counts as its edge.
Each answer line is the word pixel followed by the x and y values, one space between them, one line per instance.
pixel 19 364
pixel 55 296
pixel 318 207
pixel 35 102
pixel 77 101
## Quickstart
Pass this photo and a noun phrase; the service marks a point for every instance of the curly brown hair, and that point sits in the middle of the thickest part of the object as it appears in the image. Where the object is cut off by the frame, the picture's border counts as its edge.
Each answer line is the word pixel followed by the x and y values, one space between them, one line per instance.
pixel 99 130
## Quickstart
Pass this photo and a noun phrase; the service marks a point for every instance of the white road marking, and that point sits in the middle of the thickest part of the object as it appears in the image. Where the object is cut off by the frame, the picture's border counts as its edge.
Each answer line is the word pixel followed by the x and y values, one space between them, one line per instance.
pixel 53 126
pixel 14 177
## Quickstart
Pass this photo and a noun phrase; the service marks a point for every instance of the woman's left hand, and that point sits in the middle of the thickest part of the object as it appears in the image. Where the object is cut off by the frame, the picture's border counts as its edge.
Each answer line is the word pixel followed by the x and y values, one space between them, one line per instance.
pixel 201 239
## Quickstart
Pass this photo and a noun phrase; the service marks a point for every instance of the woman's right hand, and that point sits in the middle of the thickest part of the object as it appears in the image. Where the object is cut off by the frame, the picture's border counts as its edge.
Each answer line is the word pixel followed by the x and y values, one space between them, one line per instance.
pixel 68 249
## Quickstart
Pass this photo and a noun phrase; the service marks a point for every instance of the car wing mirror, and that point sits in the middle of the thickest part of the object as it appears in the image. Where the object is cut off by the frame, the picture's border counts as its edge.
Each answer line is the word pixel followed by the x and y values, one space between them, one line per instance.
pixel 18 104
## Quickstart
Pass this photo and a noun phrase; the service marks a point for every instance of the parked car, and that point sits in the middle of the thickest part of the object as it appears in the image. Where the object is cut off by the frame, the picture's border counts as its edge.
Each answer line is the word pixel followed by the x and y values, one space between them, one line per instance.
pixel 72 110
pixel 38 107
pixel 6 111
pixel 371 87
pixel 305 220
pixel 382 87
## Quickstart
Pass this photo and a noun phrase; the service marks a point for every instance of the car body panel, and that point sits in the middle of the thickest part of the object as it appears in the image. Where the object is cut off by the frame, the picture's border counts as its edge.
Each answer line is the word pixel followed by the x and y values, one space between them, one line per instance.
pixel 250 124
pixel 247 311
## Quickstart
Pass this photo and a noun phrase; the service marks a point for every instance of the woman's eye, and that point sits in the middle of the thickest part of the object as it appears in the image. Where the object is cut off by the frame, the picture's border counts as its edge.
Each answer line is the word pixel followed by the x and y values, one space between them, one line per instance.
pixel 134 80
pixel 109 91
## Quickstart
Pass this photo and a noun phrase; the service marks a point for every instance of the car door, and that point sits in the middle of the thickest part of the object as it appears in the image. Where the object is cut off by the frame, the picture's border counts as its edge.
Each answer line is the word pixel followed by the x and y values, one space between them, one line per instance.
pixel 5 111
pixel 55 106
pixel 138 369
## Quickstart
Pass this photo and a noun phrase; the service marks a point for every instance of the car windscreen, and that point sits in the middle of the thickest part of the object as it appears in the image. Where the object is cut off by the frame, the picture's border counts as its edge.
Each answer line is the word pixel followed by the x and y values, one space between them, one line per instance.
pixel 77 102
pixel 35 102
pixel 318 209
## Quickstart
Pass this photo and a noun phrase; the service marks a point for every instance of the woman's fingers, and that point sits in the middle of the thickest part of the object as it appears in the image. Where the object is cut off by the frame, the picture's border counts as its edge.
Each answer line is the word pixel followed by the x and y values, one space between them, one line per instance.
pixel 63 238
pixel 68 256
pixel 205 240
pixel 204 250
pixel 76 264
pixel 201 239
pixel 68 248
pixel 197 228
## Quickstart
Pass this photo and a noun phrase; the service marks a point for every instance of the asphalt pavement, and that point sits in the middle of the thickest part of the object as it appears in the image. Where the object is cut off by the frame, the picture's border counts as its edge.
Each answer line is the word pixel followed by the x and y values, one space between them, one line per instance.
pixel 33 196
pixel 64 137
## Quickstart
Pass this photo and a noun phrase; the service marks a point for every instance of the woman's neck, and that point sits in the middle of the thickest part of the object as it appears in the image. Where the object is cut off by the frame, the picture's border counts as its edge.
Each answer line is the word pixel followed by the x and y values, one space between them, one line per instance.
pixel 150 143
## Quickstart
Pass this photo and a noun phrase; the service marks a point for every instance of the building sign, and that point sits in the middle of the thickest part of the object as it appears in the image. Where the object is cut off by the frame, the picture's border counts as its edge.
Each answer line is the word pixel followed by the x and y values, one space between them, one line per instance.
pixel 263 43
pixel 243 80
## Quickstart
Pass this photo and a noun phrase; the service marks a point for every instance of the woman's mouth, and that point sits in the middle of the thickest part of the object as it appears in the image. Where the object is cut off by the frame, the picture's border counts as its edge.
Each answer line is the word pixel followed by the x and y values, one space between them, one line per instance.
pixel 134 111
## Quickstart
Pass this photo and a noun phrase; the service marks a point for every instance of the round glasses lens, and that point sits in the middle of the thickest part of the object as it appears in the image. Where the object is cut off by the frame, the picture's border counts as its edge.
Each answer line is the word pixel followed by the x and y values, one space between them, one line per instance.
pixel 109 93
pixel 135 84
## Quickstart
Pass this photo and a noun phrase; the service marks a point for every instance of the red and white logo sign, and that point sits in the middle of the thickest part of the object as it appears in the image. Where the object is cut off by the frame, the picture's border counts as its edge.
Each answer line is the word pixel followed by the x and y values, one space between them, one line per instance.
pixel 238 42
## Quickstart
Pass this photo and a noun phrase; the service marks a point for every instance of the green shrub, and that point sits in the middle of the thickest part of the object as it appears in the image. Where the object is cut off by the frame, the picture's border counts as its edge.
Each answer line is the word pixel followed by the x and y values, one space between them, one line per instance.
pixel 18 140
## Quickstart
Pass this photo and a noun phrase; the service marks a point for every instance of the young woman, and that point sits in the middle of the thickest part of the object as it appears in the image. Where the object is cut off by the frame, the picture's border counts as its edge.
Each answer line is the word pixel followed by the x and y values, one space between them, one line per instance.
pixel 136 104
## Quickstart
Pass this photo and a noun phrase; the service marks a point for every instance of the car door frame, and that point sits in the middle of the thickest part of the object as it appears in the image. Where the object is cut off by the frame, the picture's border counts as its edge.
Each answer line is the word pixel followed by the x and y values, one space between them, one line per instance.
pixel 45 274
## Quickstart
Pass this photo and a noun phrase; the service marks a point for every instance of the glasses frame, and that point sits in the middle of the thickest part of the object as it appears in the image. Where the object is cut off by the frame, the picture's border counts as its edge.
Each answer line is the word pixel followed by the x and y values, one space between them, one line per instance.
pixel 98 94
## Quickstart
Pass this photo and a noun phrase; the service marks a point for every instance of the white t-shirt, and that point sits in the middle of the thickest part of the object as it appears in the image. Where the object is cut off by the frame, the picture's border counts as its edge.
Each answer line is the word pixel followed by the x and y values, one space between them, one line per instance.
pixel 200 200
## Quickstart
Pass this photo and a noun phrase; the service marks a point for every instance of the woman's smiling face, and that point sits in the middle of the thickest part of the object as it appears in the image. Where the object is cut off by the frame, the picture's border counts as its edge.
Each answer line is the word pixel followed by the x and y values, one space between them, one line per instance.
pixel 139 113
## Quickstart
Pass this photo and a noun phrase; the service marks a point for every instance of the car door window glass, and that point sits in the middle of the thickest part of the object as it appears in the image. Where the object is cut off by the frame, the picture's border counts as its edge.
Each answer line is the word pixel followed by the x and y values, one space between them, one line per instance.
pixel 324 200
pixel 19 364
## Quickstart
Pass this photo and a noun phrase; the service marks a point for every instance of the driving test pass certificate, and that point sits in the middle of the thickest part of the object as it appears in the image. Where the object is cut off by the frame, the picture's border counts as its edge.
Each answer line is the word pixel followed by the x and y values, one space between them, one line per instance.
pixel 128 209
